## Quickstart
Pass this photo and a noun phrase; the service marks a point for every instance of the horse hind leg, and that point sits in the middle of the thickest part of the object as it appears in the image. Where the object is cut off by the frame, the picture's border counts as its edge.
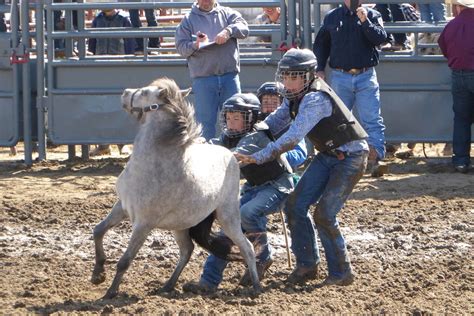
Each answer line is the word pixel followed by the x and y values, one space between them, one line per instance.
pixel 113 219
pixel 139 235
pixel 230 223
pixel 186 248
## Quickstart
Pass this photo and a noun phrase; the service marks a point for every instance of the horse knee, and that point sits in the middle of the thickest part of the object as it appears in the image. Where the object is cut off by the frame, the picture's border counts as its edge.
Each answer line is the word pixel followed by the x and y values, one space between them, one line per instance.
pixel 123 264
pixel 99 230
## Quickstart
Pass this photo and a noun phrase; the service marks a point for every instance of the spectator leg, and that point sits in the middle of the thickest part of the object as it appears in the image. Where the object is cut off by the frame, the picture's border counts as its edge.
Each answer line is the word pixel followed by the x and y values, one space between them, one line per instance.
pixel 397 15
pixel 135 20
pixel 151 21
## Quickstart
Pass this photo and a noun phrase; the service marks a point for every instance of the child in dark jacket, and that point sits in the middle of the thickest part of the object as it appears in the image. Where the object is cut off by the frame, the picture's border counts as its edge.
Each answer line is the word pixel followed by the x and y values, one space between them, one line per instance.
pixel 111 46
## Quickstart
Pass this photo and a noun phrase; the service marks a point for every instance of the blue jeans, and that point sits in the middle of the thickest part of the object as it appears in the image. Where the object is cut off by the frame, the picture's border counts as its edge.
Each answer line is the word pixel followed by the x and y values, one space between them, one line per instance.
pixel 394 14
pixel 150 20
pixel 432 12
pixel 327 182
pixel 362 93
pixel 255 204
pixel 209 95
pixel 463 107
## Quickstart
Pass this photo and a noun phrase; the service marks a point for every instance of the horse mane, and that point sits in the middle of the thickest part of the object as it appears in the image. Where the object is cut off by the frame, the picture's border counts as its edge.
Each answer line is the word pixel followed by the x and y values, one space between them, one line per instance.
pixel 184 129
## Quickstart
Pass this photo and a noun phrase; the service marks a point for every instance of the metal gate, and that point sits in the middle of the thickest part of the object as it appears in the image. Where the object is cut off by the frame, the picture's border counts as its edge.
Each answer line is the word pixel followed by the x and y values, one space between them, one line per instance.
pixel 80 93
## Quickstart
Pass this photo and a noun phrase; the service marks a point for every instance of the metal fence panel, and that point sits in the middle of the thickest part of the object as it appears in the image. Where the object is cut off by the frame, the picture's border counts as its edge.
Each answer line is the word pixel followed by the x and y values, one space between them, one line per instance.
pixel 90 119
pixel 9 112
pixel 84 107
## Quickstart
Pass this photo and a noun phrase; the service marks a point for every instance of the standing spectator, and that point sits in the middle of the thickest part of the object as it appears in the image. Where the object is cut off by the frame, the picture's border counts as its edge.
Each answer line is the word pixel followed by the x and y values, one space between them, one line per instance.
pixel 111 46
pixel 460 54
pixel 432 12
pixel 314 110
pixel 270 15
pixel 266 187
pixel 154 42
pixel 214 69
pixel 350 39
pixel 394 13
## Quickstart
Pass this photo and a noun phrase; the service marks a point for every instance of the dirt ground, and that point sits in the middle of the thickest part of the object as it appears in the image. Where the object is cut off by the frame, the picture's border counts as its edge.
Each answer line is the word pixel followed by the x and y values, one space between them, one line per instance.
pixel 410 235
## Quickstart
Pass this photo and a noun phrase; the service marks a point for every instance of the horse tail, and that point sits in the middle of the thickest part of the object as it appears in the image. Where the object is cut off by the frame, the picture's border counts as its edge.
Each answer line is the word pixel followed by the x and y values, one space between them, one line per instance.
pixel 219 245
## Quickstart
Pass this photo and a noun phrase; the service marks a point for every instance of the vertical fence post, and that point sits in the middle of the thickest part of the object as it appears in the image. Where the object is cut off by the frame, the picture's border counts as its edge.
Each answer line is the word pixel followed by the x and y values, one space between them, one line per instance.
pixel 15 28
pixel 39 16
pixel 283 20
pixel 291 21
pixel 306 24
pixel 25 42
pixel 81 43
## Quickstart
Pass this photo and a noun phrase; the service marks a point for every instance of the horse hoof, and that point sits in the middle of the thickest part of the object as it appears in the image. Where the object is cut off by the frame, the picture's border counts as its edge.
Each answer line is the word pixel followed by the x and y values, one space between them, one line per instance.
pixel 109 295
pixel 98 278
pixel 167 288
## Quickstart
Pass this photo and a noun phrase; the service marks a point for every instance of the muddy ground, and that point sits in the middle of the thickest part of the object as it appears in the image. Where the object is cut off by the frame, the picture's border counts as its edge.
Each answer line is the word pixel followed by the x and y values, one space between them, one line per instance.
pixel 410 235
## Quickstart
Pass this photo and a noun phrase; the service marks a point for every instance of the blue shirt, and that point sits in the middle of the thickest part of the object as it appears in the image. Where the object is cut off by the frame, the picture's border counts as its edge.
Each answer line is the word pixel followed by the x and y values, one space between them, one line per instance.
pixel 348 42
pixel 313 107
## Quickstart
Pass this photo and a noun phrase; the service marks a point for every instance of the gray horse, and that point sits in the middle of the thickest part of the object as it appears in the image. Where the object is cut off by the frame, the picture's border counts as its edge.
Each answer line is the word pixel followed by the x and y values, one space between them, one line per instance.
pixel 174 182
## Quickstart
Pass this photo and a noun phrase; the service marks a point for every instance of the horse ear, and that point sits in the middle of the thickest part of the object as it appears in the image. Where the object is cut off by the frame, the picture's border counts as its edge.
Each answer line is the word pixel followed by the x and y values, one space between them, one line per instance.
pixel 185 92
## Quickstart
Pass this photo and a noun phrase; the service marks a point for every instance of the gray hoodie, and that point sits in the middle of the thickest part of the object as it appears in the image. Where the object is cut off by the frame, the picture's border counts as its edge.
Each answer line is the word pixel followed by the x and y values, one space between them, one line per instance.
pixel 215 59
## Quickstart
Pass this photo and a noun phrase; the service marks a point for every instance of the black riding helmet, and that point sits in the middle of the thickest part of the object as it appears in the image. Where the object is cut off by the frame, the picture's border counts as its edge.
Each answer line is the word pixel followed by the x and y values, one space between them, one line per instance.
pixel 275 88
pixel 245 103
pixel 297 62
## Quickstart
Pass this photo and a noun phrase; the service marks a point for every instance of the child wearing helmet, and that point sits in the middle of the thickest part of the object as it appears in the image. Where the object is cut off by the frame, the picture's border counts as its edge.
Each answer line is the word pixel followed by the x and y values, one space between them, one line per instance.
pixel 312 109
pixel 266 186
pixel 270 96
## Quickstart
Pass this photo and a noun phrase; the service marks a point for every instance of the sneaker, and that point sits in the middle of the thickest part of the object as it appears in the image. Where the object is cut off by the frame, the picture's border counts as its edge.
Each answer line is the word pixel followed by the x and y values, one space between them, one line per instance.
pixel 347 279
pixel 100 151
pixel 302 274
pixel 200 287
pixel 461 168
pixel 262 267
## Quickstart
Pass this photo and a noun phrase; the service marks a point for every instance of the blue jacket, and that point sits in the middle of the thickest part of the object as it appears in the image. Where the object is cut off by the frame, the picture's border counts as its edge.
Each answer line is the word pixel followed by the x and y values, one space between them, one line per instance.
pixel 111 46
pixel 348 42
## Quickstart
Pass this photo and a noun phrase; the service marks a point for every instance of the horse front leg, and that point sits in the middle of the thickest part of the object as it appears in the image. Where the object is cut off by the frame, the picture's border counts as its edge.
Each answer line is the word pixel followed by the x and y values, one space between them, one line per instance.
pixel 113 219
pixel 230 223
pixel 139 235
pixel 186 247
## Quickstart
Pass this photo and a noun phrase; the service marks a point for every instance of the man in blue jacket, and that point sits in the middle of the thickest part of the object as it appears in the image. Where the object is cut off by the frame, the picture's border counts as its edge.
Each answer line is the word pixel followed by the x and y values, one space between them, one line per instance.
pixel 215 68
pixel 349 39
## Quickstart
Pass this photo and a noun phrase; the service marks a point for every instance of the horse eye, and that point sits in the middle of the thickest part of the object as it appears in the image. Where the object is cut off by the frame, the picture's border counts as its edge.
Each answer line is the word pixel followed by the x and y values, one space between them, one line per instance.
pixel 145 93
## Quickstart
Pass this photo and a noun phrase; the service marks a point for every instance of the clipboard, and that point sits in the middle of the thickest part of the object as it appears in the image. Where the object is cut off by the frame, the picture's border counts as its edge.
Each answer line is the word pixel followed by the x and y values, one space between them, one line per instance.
pixel 206 44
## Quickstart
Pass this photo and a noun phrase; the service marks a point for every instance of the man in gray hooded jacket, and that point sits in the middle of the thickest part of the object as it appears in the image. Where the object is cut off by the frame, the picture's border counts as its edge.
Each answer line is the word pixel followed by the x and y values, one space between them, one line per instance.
pixel 207 38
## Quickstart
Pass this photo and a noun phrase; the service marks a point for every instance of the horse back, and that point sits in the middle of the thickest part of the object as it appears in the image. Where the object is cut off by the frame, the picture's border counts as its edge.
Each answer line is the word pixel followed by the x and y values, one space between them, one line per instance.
pixel 178 191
